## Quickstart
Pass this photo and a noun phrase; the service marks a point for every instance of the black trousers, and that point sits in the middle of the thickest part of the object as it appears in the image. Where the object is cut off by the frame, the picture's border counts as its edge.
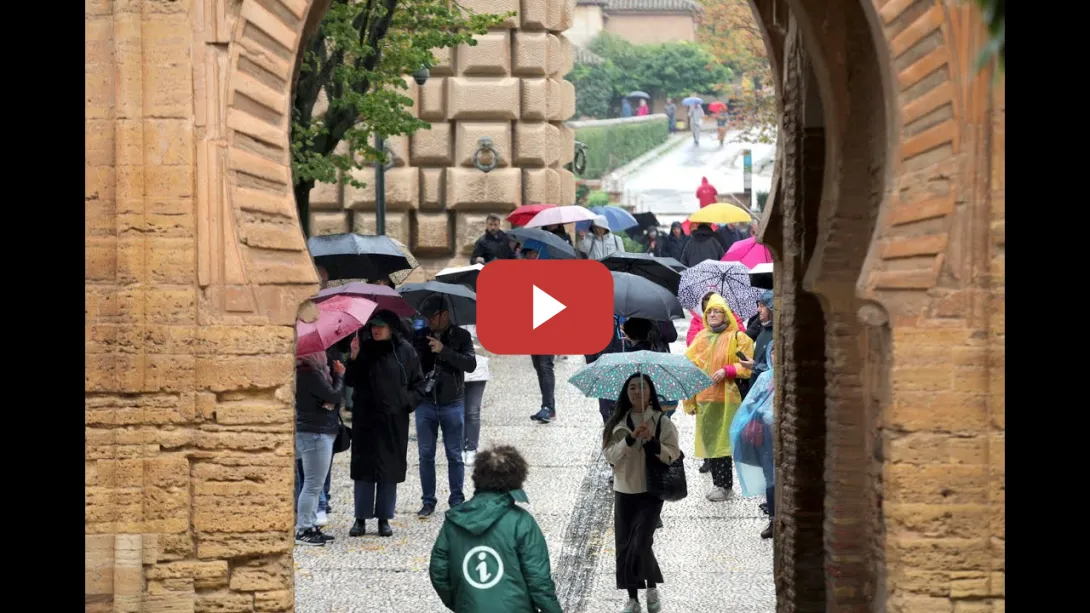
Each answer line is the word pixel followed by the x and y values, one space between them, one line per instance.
pixel 634 520
pixel 722 472
pixel 546 380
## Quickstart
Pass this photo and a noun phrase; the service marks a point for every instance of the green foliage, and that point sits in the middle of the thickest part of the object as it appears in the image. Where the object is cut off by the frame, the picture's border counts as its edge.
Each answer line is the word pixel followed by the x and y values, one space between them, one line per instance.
pixel 671 69
pixel 581 193
pixel 610 147
pixel 630 245
pixel 358 60
pixel 597 198
pixel 762 198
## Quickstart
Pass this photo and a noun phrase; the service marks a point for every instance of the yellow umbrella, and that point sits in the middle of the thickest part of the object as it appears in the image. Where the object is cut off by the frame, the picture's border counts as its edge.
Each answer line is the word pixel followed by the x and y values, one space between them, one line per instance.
pixel 720 213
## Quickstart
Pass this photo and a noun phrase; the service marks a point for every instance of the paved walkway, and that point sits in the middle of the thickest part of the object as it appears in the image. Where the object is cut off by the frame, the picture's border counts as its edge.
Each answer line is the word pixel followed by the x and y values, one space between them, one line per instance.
pixel 711 554
pixel 668 185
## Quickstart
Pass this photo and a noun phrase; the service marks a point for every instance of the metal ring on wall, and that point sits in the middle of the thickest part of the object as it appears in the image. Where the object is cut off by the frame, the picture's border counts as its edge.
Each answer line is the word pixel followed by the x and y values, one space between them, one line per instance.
pixel 484 145
pixel 579 159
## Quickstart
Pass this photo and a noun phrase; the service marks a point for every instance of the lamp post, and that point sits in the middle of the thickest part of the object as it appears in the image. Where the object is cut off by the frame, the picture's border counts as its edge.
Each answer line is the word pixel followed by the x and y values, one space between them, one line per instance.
pixel 420 75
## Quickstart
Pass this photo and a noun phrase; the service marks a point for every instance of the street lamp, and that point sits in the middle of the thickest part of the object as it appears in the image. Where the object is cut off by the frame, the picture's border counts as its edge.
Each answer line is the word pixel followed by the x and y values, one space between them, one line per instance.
pixel 420 75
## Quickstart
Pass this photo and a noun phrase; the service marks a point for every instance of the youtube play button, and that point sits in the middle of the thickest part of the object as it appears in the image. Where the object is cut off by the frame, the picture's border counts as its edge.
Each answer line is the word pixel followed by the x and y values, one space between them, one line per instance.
pixel 544 307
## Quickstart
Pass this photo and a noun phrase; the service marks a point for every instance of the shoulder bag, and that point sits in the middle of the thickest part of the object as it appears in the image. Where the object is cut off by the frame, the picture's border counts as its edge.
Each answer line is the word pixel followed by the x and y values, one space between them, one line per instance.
pixel 344 436
pixel 666 481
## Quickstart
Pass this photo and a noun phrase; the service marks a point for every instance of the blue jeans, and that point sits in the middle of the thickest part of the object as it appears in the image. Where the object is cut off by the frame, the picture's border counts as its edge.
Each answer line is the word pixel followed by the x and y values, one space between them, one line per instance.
pixel 316 452
pixel 324 497
pixel 375 499
pixel 474 396
pixel 430 418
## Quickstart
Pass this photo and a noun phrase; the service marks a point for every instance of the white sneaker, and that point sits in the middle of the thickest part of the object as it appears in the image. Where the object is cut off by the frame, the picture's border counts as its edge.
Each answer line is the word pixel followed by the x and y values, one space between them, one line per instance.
pixel 632 606
pixel 468 457
pixel 718 494
pixel 321 520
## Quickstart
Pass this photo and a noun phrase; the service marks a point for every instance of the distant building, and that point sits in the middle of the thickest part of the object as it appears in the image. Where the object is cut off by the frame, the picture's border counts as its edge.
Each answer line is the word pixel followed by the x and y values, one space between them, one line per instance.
pixel 641 22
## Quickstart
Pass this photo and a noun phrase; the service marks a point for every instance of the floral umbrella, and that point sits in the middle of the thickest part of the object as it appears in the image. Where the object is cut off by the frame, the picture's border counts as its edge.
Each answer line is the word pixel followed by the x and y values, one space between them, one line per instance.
pixel 674 375
pixel 729 279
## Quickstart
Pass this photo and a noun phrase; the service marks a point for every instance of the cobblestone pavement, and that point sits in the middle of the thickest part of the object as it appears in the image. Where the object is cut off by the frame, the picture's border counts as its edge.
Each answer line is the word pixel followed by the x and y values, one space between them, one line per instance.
pixel 711 554
pixel 668 185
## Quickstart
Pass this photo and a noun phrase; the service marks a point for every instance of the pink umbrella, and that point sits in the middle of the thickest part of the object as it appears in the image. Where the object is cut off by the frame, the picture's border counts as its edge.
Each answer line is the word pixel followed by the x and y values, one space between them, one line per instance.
pixel 561 215
pixel 338 317
pixel 386 297
pixel 748 252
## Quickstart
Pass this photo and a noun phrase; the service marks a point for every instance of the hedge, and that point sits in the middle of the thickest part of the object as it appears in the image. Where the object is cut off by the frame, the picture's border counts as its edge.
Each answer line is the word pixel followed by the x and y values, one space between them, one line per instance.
pixel 615 142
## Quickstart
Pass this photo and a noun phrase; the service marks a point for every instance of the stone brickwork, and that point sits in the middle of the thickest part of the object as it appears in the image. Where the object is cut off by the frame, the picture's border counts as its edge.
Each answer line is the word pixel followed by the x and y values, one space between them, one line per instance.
pixel 510 88
pixel 890 447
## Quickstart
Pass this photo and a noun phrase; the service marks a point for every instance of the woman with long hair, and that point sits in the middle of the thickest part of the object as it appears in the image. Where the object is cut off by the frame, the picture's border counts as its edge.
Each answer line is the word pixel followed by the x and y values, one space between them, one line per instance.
pixel 635 429
pixel 317 394
pixel 716 350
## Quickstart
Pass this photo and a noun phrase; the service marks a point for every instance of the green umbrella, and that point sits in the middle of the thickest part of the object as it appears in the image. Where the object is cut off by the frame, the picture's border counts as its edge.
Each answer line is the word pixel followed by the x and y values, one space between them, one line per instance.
pixel 674 376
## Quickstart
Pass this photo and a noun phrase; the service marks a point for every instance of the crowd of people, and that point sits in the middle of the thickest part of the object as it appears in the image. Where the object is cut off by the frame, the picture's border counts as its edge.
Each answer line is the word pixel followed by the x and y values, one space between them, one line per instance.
pixel 428 368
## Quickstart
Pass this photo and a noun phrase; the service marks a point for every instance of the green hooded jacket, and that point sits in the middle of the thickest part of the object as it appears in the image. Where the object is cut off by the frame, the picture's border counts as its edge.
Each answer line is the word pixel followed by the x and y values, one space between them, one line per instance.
pixel 491 557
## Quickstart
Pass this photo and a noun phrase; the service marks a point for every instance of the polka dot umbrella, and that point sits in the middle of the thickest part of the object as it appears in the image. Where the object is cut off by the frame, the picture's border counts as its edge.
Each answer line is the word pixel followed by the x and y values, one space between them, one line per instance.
pixel 674 375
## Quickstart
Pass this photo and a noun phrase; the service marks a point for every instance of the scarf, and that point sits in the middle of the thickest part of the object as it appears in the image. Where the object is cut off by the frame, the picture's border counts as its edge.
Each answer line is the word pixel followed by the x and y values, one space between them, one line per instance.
pixel 720 328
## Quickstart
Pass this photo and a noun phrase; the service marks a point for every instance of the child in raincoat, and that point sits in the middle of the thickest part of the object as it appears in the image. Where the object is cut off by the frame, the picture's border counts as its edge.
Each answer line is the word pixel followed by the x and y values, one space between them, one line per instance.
pixel 751 438
pixel 715 351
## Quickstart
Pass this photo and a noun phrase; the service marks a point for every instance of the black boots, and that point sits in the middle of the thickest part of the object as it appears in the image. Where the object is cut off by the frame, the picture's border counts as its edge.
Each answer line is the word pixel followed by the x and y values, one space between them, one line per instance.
pixel 359 528
pixel 769 531
pixel 384 528
pixel 705 467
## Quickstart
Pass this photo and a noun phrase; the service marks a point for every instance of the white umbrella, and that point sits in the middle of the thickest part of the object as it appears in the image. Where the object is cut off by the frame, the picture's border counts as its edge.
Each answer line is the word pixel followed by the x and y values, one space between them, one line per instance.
pixel 561 215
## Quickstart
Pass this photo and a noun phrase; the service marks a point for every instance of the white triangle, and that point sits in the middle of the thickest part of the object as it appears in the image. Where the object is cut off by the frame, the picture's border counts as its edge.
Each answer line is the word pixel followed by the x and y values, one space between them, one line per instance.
pixel 545 307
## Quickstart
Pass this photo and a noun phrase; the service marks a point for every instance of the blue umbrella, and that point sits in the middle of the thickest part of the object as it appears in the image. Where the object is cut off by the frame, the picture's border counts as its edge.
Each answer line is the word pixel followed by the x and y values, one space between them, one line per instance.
pixel 617 218
pixel 674 375
pixel 692 100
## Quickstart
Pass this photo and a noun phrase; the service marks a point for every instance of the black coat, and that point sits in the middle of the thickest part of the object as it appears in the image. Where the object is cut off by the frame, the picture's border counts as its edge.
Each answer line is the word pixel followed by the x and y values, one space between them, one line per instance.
pixel 312 393
pixel 491 248
pixel 386 381
pixel 449 365
pixel 703 245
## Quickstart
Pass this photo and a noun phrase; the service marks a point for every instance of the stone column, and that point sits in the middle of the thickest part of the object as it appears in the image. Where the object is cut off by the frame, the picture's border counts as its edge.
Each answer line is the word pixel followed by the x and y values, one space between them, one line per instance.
pixel 510 88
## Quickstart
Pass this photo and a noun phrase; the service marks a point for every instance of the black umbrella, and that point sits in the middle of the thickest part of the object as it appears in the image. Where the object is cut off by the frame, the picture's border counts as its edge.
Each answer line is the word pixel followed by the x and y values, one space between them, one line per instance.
pixel 646 266
pixel 646 220
pixel 462 275
pixel 672 263
pixel 460 301
pixel 637 297
pixel 355 256
pixel 557 248
pixel 760 276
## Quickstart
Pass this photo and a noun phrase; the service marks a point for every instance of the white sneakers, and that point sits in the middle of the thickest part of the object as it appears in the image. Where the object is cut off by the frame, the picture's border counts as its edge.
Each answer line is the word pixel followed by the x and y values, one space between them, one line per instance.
pixel 468 457
pixel 718 494
pixel 321 520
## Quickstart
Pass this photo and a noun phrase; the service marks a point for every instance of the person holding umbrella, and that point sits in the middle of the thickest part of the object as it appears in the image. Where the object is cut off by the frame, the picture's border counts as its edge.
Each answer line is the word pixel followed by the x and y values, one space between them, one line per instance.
pixel 643 108
pixel 446 355
pixel 384 370
pixel 703 245
pixel 718 350
pixel 601 243
pixel 696 116
pixel 674 243
pixel 318 392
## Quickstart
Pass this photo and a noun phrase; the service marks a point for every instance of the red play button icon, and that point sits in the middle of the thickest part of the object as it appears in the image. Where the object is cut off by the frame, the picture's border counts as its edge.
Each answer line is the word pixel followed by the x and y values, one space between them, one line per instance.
pixel 544 307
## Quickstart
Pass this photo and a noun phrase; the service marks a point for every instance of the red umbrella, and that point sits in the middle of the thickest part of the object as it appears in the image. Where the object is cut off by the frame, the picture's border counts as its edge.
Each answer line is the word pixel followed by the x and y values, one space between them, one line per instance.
pixel 385 297
pixel 338 317
pixel 748 252
pixel 522 215
pixel 716 106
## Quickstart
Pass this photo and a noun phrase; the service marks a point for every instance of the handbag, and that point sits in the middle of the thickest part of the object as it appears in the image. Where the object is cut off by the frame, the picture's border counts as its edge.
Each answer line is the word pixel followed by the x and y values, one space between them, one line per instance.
pixel 666 481
pixel 343 442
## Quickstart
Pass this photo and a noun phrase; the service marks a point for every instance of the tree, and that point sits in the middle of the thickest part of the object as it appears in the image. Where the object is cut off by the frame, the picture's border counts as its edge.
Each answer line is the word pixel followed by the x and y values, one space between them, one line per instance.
pixel 673 69
pixel 359 58
pixel 595 89
pixel 729 31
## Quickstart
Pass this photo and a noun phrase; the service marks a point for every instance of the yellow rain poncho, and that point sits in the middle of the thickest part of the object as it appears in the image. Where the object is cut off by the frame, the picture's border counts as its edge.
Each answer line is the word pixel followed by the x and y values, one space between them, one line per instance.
pixel 716 406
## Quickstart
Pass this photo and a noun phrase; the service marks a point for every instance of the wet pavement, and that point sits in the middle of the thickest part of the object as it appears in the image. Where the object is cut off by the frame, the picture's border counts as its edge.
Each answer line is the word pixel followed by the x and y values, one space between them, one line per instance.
pixel 711 554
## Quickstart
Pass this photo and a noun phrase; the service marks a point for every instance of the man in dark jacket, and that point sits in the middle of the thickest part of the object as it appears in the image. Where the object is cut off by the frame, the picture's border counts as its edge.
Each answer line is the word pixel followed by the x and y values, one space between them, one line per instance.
pixel 703 245
pixel 490 556
pixel 446 355
pixel 673 244
pixel 492 245
pixel 728 234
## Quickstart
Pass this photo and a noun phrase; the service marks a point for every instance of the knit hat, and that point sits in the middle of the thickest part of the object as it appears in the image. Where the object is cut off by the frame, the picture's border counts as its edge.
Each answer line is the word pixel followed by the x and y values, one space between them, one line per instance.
pixel 766 299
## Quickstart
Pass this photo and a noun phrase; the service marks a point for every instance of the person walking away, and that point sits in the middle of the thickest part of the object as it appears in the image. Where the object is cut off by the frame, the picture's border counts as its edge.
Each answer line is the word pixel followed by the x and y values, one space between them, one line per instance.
pixel 490 555
pixel 384 370
pixel 626 108
pixel 671 114
pixel 635 429
pixel 601 243
pixel 696 120
pixel 751 438
pixel 674 243
pixel 702 245
pixel 643 108
pixel 492 245
pixel 544 365
pixel 714 350
pixel 706 194
pixel 721 125
pixel 761 333
pixel 317 392
pixel 475 385
pixel 446 354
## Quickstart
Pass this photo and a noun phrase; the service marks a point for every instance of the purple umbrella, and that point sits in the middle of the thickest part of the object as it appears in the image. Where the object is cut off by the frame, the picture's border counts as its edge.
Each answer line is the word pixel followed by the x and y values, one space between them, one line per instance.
pixel 385 297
